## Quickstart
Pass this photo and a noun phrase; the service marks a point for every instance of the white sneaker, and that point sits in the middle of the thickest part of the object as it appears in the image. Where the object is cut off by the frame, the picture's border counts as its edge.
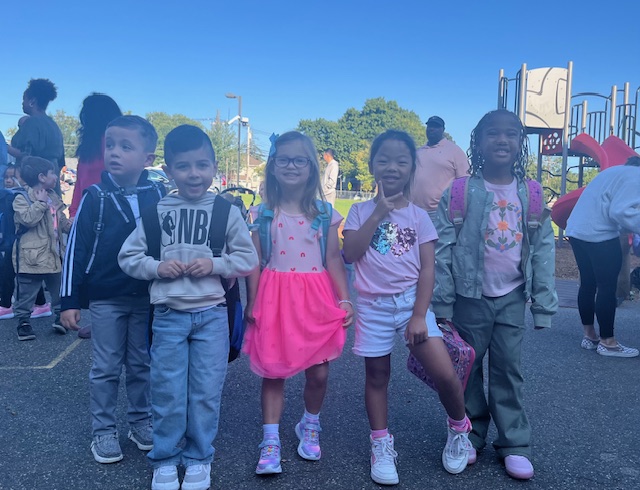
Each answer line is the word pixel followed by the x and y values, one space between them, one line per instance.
pixel 165 478
pixel 618 351
pixel 383 461
pixel 197 477
pixel 455 455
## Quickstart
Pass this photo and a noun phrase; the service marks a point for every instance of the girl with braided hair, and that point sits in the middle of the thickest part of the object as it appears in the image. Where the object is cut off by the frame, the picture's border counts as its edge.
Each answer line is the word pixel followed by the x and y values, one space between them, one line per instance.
pixel 487 268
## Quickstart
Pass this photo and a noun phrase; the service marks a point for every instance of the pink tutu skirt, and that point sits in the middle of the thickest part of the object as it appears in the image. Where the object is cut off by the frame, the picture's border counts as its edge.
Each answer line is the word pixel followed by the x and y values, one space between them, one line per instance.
pixel 298 324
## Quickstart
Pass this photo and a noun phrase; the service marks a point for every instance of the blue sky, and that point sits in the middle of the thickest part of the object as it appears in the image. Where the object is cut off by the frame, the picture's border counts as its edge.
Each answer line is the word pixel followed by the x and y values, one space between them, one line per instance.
pixel 307 59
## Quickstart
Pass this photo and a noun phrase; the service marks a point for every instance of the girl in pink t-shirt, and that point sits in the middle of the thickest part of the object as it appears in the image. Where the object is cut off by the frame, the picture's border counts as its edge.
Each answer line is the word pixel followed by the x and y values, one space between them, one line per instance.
pixel 297 309
pixel 392 243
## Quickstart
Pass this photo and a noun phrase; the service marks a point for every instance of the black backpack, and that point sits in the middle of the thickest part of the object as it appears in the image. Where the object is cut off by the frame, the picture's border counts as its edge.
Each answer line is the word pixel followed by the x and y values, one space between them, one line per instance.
pixel 8 232
pixel 217 237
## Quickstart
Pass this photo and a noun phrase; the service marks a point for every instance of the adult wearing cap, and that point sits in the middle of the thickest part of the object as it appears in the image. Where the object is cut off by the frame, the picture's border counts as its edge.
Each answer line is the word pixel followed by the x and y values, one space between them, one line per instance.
pixel 437 164
pixel 330 176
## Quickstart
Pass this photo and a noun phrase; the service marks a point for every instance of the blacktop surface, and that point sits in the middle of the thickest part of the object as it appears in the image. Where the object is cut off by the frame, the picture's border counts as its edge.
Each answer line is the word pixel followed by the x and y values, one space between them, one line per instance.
pixel 584 409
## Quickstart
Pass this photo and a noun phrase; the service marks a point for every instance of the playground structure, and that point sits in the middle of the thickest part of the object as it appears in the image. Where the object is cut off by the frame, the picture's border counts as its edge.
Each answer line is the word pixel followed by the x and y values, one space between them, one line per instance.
pixel 599 130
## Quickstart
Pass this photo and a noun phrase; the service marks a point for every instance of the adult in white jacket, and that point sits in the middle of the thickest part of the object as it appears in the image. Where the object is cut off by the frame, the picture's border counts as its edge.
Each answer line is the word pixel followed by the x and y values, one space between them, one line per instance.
pixel 609 206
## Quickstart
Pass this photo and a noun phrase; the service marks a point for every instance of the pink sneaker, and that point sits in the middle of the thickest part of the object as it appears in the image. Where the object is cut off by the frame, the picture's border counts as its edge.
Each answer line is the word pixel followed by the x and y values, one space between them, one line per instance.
pixel 518 467
pixel 41 311
pixel 473 455
pixel 6 313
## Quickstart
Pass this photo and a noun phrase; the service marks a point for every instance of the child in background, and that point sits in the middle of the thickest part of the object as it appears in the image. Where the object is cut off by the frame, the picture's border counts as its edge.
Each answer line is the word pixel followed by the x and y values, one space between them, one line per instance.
pixel 119 305
pixel 37 254
pixel 391 243
pixel 296 320
pixel 484 276
pixel 190 324
pixel 97 111
pixel 41 309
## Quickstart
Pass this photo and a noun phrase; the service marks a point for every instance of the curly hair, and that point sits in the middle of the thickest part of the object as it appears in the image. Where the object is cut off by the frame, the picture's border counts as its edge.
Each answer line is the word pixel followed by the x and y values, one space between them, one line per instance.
pixel 43 90
pixel 519 168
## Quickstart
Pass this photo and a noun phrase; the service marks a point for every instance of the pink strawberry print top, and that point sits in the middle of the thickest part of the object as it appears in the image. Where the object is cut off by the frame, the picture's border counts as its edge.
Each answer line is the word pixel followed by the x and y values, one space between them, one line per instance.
pixel 392 262
pixel 295 245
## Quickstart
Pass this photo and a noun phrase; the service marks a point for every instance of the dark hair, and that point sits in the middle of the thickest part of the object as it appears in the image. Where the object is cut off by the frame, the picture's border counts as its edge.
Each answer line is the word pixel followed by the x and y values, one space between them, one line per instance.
pixel 312 187
pixel 10 166
pixel 330 152
pixel 633 162
pixel 146 129
pixel 186 138
pixel 97 111
pixel 32 167
pixel 475 155
pixel 395 135
pixel 43 90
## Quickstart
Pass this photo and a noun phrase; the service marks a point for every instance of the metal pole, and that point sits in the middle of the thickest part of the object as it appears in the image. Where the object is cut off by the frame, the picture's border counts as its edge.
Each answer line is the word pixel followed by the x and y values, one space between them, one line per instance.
pixel 239 136
pixel 500 94
pixel 522 93
pixel 565 138
pixel 612 113
pixel 248 152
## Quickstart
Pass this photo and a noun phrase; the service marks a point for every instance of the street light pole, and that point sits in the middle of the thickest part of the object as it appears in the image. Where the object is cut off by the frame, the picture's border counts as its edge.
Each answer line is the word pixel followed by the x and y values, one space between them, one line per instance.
pixel 239 97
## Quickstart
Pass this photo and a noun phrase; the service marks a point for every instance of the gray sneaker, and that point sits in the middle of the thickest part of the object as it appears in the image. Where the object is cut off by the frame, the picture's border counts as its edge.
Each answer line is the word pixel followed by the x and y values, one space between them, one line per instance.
pixel 106 448
pixel 58 327
pixel 25 332
pixel 142 436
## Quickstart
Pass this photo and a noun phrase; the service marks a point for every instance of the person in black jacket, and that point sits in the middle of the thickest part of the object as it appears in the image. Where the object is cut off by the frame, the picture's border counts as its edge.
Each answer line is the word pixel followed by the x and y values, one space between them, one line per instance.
pixel 119 305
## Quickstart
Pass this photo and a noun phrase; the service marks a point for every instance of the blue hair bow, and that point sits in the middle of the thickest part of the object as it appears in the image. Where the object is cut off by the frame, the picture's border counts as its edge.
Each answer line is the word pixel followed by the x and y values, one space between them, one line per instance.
pixel 273 138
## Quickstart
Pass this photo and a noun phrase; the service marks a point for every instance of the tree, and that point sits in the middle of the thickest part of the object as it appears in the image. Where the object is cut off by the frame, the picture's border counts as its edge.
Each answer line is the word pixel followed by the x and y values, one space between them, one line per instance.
pixel 351 136
pixel 68 126
pixel 164 123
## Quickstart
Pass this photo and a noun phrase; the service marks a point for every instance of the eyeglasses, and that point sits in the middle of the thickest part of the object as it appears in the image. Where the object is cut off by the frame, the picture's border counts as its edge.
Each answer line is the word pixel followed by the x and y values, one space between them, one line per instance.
pixel 298 162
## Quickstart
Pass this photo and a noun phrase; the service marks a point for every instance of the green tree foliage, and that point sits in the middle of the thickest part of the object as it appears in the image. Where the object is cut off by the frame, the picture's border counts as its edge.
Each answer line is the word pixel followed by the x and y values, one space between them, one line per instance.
pixel 164 123
pixel 352 134
pixel 552 175
pixel 68 126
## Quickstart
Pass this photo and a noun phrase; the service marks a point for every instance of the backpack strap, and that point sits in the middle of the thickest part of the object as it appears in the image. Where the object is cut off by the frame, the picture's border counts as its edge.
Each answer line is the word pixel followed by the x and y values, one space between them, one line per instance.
pixel 323 220
pixel 218 226
pixel 535 196
pixel 264 220
pixel 458 202
pixel 98 224
pixel 151 225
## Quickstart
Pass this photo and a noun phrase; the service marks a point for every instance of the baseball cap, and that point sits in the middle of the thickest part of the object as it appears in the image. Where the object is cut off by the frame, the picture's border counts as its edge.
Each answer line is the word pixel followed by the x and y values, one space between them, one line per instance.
pixel 435 120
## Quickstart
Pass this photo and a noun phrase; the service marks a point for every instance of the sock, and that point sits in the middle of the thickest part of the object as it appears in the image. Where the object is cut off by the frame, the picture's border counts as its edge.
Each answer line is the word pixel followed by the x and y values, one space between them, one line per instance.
pixel 463 425
pixel 310 418
pixel 270 431
pixel 379 434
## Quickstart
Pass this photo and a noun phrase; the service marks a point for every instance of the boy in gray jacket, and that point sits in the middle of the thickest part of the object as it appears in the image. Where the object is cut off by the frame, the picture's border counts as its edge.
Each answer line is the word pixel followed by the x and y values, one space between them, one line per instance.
pixel 190 326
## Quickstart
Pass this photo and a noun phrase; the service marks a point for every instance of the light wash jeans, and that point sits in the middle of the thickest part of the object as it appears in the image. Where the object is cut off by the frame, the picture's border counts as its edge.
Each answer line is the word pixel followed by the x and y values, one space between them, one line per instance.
pixel 189 355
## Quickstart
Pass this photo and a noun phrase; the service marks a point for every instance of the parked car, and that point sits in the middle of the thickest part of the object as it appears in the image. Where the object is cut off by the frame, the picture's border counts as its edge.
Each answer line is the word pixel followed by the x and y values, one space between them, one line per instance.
pixel 156 174
pixel 69 176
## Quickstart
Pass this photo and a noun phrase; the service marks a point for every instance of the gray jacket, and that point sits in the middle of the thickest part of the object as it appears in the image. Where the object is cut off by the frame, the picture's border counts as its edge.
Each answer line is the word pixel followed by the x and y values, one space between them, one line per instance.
pixel 460 260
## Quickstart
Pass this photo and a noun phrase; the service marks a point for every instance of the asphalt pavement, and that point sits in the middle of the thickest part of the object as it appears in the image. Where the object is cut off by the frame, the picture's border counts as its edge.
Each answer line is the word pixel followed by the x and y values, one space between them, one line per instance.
pixel 584 410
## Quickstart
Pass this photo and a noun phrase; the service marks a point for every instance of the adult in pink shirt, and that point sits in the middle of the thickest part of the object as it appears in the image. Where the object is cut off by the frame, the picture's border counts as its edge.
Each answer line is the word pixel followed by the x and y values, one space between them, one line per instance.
pixel 97 111
pixel 438 163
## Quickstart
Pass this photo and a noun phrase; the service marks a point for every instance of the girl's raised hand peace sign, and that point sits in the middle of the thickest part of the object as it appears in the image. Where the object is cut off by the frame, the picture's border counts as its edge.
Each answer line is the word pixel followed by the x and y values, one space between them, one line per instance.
pixel 385 204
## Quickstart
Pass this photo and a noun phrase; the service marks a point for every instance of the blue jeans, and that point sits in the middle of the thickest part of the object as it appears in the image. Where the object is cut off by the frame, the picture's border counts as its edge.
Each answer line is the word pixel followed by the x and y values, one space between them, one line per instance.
pixel 188 365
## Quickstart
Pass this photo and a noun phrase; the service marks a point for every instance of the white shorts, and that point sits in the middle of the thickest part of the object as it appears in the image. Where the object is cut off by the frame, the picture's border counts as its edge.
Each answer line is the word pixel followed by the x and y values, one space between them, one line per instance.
pixel 380 318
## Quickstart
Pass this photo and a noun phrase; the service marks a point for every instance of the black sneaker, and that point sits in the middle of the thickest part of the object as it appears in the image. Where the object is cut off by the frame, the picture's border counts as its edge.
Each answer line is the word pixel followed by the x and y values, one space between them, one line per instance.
pixel 25 332
pixel 58 327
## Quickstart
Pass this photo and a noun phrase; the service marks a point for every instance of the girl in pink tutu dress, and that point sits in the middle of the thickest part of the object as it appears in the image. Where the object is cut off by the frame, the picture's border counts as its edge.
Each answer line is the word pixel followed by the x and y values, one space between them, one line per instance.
pixel 297 308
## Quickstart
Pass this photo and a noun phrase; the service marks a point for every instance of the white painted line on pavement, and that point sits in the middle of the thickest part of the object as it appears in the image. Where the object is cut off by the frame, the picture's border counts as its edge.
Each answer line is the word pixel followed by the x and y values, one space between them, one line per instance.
pixel 52 364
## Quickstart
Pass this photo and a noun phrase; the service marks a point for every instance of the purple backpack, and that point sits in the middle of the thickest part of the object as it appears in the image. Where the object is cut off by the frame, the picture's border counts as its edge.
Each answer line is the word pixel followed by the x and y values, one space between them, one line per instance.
pixel 458 203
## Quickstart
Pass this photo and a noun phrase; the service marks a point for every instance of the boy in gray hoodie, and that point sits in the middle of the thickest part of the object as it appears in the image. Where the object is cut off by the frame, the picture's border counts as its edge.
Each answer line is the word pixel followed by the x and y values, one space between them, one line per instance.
pixel 190 326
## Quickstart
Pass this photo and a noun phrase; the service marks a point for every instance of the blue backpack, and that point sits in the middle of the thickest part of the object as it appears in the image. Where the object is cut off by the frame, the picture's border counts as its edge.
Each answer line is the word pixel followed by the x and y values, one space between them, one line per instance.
pixel 8 232
pixel 265 218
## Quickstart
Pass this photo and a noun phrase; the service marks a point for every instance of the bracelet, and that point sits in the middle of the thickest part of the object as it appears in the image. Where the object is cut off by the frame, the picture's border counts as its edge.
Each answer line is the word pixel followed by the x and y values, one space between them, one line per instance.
pixel 345 301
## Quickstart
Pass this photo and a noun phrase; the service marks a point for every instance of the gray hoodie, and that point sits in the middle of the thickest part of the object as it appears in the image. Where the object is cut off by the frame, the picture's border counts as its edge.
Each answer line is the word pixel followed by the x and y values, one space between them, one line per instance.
pixel 184 237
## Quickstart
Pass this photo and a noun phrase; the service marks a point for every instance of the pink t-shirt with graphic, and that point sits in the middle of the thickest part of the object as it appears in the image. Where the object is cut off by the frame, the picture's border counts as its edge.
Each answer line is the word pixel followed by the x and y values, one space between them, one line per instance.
pixel 391 264
pixel 295 245
pixel 503 241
